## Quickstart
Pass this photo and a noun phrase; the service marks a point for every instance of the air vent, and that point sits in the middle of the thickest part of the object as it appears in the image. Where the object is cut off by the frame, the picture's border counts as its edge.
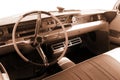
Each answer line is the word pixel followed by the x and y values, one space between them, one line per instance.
pixel 75 41
pixel 58 47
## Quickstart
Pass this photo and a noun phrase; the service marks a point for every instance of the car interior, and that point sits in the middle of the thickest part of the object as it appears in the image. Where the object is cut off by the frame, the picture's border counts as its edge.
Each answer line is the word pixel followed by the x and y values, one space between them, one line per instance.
pixel 61 45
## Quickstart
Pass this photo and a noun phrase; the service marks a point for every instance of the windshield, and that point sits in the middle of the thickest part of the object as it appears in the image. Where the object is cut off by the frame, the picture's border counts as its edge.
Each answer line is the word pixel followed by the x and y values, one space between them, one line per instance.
pixel 12 7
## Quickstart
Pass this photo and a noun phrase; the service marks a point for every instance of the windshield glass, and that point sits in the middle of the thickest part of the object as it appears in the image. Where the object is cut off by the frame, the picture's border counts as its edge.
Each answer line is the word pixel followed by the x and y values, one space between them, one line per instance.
pixel 12 7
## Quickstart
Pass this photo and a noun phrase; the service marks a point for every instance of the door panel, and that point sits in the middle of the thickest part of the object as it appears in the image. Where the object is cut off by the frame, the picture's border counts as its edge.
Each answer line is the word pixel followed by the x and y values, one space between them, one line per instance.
pixel 115 31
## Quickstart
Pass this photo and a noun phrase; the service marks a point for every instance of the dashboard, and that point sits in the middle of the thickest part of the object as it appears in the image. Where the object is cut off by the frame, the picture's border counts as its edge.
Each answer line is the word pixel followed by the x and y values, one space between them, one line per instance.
pixel 74 22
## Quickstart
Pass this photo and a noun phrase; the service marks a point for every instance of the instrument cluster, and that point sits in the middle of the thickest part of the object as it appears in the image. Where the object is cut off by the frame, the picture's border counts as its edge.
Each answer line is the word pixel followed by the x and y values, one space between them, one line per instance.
pixel 50 22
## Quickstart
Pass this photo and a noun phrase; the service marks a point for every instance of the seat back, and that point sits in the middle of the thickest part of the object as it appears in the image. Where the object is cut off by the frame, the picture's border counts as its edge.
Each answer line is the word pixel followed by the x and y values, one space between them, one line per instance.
pixel 102 67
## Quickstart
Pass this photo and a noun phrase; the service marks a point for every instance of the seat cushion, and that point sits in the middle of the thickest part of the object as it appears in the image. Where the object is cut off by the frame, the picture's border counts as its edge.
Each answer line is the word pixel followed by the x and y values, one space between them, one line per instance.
pixel 102 67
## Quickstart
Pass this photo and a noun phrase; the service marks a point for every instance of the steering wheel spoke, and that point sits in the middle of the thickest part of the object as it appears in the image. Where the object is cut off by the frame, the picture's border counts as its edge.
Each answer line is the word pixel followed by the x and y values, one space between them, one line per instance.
pixel 42 55
pixel 37 28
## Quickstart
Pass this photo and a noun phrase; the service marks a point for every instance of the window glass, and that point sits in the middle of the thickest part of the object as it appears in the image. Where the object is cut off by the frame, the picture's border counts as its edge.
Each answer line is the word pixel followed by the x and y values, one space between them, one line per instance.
pixel 12 7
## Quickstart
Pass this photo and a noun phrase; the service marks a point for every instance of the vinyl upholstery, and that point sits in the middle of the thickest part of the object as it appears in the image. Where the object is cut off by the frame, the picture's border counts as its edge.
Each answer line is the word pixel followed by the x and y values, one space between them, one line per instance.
pixel 102 67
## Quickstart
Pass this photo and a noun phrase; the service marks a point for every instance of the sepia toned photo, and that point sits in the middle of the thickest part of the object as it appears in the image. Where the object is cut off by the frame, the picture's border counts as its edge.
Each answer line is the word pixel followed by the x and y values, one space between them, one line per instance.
pixel 60 40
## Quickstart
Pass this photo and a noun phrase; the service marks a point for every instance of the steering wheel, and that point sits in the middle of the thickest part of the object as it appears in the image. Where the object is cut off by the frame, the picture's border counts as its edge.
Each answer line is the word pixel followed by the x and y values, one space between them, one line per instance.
pixel 36 43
